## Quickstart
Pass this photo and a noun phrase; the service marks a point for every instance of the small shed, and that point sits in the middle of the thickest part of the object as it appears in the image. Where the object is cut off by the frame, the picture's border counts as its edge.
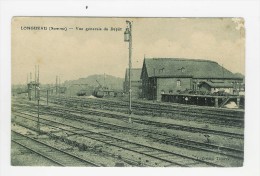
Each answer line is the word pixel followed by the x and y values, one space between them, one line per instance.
pixel 215 86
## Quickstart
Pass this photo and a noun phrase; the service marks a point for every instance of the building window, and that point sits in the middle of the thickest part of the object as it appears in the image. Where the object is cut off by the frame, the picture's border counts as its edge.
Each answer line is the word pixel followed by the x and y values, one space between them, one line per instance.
pixel 178 83
pixel 182 69
pixel 161 70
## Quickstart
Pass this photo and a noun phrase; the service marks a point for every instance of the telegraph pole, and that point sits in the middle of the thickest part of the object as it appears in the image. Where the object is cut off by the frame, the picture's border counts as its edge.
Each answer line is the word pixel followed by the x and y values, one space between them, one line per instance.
pixel 59 87
pixel 128 38
pixel 38 101
pixel 47 96
pixel 154 85
pixel 30 88
pixel 56 85
pixel 35 80
pixel 38 75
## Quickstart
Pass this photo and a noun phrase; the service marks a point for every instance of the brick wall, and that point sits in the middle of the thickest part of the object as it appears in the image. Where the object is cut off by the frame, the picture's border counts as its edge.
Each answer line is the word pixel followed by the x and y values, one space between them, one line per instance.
pixel 170 85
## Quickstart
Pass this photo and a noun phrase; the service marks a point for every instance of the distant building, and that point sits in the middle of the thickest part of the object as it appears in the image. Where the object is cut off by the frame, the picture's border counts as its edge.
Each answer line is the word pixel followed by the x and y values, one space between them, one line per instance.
pixel 136 84
pixel 173 75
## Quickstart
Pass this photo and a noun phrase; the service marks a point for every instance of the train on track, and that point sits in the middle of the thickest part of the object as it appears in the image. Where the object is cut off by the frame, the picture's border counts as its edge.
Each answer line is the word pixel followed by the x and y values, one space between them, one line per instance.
pixel 103 91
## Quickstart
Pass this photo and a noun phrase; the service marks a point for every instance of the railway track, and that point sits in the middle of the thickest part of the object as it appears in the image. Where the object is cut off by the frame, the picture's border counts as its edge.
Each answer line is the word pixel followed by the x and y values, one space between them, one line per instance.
pixel 221 117
pixel 88 111
pixel 167 157
pixel 53 154
pixel 232 113
pixel 164 138
pixel 156 136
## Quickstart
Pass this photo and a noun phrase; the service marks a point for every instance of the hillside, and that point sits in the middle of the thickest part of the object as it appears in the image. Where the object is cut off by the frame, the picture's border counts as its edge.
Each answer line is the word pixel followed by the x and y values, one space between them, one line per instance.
pixel 109 81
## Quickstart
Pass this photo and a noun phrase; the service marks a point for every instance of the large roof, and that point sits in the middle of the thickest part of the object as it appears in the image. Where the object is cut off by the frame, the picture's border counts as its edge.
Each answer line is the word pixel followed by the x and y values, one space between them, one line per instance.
pixel 178 67
pixel 135 74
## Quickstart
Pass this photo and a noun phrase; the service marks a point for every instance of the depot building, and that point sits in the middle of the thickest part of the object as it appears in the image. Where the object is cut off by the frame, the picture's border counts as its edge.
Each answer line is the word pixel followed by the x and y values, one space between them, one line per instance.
pixel 173 75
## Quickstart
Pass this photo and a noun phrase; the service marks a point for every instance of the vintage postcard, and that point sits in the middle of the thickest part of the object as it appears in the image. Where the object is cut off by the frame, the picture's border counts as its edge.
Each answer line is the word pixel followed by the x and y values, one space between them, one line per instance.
pixel 127 92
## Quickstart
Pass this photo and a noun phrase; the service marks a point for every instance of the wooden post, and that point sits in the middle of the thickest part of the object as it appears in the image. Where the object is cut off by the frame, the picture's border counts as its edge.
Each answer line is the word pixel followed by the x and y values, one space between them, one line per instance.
pixel 238 101
pixel 47 97
pixel 29 92
pixel 38 100
pixel 154 85
pixel 56 86
pixel 38 113
pixel 35 80
pixel 216 102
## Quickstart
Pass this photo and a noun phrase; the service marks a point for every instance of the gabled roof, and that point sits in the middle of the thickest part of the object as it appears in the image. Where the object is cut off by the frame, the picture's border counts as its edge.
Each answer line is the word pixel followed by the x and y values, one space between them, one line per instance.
pixel 179 67
pixel 135 74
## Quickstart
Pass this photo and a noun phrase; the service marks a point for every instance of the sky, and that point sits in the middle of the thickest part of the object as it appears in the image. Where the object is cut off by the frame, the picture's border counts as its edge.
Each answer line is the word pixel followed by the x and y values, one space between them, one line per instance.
pixel 74 54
